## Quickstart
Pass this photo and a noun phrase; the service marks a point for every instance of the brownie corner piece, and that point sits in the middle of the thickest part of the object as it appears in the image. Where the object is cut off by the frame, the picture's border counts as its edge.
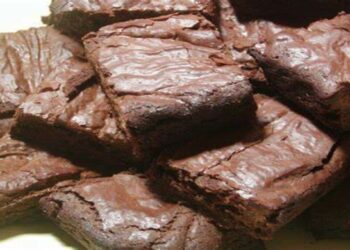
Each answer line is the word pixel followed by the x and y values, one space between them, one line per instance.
pixel 77 19
pixel 308 65
pixel 121 212
pixel 69 115
pixel 20 76
pixel 165 90
pixel 27 174
pixel 258 179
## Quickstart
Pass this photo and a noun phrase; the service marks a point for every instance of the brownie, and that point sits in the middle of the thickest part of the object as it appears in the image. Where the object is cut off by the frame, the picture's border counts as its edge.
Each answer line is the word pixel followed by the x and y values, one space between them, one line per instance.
pixel 309 66
pixel 164 91
pixel 26 58
pixel 70 113
pixel 290 10
pixel 27 174
pixel 70 116
pixel 259 178
pixel 329 218
pixel 77 18
pixel 121 212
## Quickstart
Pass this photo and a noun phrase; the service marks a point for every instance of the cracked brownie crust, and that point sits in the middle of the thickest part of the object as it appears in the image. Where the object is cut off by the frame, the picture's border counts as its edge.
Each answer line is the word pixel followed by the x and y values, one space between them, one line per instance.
pixel 258 179
pixel 26 175
pixel 121 212
pixel 194 29
pixel 164 91
pixel 310 67
pixel 77 18
pixel 26 58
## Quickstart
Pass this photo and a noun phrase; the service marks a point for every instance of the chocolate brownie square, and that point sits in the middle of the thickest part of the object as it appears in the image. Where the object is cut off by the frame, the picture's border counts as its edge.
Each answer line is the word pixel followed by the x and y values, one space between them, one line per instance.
pixel 26 58
pixel 329 218
pixel 164 91
pixel 309 66
pixel 77 18
pixel 121 212
pixel 70 116
pixel 27 174
pixel 70 113
pixel 257 179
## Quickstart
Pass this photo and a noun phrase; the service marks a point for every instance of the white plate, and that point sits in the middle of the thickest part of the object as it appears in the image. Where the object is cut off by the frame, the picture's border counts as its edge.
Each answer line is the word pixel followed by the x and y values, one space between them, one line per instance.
pixel 43 235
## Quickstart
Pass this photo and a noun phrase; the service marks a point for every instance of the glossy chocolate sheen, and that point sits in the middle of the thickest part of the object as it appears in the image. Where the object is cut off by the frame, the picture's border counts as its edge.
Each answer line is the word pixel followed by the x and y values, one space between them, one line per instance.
pixel 27 174
pixel 77 18
pixel 260 178
pixel 164 91
pixel 70 115
pixel 329 218
pixel 121 212
pixel 310 66
pixel 26 58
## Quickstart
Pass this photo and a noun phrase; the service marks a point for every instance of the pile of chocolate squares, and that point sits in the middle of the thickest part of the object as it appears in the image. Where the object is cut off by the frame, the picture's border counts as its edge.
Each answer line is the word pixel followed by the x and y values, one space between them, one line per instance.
pixel 178 124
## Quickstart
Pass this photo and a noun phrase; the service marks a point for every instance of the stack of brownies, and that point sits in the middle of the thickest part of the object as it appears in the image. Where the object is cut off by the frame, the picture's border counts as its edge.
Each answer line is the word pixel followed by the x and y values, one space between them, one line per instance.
pixel 178 124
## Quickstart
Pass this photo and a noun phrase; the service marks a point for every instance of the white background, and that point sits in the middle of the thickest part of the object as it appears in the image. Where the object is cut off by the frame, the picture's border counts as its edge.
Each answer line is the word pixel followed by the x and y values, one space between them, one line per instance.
pixel 42 235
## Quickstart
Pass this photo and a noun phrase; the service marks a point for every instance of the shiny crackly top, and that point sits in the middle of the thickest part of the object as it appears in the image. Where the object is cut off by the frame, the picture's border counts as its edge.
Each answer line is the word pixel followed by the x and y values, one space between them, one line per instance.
pixel 136 217
pixel 318 54
pixel 194 29
pixel 110 6
pixel 24 170
pixel 151 80
pixel 269 166
pixel 26 58
pixel 64 98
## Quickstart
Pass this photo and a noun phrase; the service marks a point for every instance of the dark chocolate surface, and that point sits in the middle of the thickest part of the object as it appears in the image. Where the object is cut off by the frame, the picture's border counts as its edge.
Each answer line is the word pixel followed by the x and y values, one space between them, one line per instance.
pixel 163 90
pixel 26 58
pixel 77 18
pixel 310 67
pixel 121 212
pixel 260 179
